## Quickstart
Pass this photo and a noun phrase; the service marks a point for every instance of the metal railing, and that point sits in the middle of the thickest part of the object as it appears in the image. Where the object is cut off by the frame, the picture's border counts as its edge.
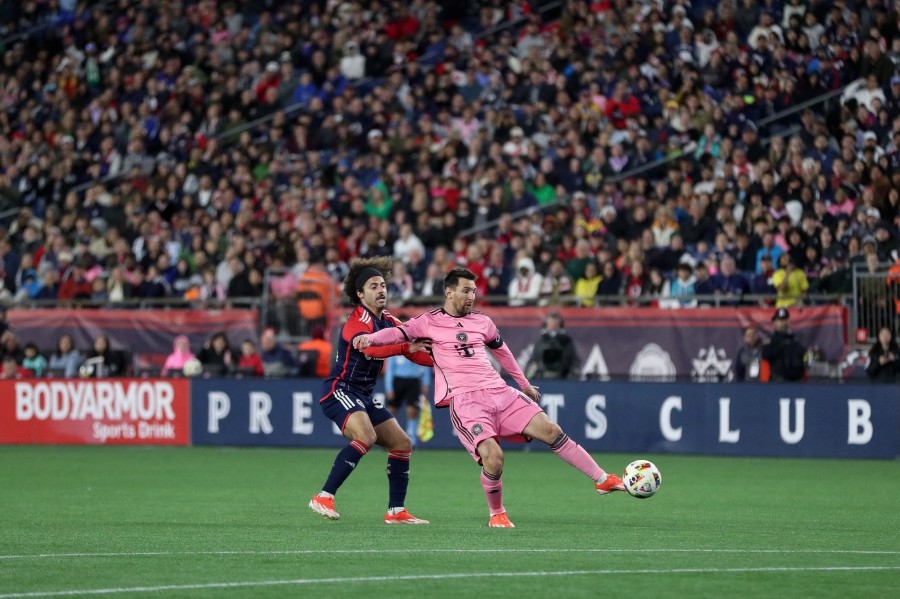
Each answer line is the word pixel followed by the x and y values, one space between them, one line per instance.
pixel 642 301
pixel 138 303
pixel 787 112
pixel 876 301
pixel 281 310
pixel 5 215
pixel 267 303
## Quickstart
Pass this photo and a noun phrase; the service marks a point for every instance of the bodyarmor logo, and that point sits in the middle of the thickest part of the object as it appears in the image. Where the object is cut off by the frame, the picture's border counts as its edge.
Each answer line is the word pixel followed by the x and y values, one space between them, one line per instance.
pixel 462 337
pixel 711 364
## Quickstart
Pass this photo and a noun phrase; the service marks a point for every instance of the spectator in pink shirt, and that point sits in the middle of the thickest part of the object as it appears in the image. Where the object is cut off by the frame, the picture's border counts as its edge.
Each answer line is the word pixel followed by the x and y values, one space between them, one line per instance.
pixel 181 353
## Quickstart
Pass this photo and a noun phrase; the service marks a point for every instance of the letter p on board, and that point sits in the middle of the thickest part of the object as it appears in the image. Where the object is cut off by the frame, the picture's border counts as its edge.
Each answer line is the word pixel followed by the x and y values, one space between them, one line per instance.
pixel 219 406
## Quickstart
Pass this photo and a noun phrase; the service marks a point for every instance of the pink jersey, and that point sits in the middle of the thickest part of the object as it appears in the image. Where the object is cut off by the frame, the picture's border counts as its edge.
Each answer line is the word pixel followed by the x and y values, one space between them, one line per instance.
pixel 459 351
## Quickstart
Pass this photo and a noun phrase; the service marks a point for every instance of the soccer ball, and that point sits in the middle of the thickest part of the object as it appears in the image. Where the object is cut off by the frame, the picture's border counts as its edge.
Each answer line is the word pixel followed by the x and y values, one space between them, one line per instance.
pixel 193 367
pixel 642 479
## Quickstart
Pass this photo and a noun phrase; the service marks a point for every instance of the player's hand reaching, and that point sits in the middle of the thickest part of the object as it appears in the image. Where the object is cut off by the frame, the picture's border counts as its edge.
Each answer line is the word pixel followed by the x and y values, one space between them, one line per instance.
pixel 532 392
pixel 423 344
pixel 361 342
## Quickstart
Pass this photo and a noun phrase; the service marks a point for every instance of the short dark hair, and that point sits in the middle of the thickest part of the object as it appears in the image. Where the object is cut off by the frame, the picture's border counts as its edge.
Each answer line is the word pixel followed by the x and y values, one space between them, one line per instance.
pixel 452 278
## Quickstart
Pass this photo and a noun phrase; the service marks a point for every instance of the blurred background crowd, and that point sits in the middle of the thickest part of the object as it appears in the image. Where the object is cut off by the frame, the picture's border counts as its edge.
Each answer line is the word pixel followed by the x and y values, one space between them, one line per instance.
pixel 564 151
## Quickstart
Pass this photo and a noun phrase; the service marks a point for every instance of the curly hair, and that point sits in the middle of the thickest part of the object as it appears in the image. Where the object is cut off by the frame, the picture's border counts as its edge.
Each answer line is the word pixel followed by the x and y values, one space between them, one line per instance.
pixel 357 265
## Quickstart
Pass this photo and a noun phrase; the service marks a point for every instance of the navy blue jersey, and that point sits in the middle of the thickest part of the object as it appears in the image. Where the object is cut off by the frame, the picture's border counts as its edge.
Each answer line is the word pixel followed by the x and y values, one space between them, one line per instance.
pixel 354 370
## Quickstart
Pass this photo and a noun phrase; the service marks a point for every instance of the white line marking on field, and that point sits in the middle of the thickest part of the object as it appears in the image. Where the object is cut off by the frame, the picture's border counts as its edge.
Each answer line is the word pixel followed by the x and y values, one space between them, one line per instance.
pixel 366 551
pixel 308 581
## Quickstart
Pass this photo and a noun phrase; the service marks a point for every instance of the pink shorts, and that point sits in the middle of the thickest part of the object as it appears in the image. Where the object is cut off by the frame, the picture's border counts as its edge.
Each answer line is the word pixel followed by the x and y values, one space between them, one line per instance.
pixel 490 413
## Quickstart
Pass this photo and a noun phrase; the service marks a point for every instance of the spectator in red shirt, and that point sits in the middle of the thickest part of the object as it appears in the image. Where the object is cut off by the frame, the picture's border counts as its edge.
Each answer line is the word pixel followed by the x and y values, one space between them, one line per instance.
pixel 270 79
pixel 250 358
pixel 622 105
pixel 11 370
pixel 75 285
pixel 636 281
pixel 403 24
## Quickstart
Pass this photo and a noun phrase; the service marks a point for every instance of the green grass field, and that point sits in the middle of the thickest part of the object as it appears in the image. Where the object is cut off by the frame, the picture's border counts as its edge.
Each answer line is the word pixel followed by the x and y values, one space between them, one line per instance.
pixel 229 522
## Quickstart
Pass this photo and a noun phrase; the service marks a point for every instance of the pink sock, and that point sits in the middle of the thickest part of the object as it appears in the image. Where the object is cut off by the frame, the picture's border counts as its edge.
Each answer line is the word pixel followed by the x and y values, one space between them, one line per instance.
pixel 574 454
pixel 493 491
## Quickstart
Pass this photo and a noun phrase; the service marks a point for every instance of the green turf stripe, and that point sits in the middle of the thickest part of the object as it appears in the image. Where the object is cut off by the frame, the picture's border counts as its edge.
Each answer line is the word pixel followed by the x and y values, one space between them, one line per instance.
pixel 309 581
pixel 386 550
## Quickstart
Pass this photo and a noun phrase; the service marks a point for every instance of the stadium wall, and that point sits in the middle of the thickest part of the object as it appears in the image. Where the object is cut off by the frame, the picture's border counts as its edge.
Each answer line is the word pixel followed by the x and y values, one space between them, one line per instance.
pixel 838 421
pixel 145 333
pixel 687 343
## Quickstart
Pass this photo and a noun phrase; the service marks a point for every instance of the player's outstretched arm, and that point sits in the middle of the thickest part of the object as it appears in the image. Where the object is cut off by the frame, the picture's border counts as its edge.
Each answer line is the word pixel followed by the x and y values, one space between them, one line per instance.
pixel 416 351
pixel 386 351
pixel 389 336
pixel 508 361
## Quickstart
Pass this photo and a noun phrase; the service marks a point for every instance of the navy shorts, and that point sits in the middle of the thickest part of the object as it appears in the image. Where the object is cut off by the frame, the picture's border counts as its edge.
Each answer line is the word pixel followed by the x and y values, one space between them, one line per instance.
pixel 406 391
pixel 339 405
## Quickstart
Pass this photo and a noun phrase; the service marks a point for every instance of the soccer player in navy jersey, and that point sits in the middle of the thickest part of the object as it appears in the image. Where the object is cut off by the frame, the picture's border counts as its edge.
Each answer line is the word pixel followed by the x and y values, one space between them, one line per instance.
pixel 347 394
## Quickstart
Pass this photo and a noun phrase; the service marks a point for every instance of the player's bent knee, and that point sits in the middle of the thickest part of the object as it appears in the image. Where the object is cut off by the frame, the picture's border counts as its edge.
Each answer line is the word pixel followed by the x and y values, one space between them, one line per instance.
pixel 493 464
pixel 554 430
pixel 491 456
pixel 364 434
pixel 543 429
pixel 402 443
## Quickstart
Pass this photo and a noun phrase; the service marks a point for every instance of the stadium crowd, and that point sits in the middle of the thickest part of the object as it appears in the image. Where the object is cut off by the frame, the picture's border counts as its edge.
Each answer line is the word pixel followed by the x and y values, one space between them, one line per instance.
pixel 156 149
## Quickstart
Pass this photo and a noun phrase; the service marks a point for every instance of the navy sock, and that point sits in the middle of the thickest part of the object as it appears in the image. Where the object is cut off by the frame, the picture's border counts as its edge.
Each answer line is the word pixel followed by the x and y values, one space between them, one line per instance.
pixel 344 463
pixel 398 477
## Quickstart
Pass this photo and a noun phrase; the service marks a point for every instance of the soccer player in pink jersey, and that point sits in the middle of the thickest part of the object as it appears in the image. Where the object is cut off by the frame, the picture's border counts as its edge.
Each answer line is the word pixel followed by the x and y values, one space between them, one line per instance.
pixel 483 408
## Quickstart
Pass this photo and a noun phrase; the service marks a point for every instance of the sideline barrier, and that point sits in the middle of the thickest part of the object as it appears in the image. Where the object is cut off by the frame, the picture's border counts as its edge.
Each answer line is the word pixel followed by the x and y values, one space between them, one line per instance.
pixel 847 421
pixel 844 421
pixel 699 344
pixel 95 411
pixel 146 332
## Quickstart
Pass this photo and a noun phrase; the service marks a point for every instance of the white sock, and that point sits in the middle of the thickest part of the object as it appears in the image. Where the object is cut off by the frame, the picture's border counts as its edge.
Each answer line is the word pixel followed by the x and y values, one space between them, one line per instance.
pixel 602 479
pixel 326 495
pixel 393 511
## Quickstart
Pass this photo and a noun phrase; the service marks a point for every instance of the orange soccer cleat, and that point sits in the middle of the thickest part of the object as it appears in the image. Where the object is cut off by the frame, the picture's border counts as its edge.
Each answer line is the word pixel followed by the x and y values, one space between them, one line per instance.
pixel 500 521
pixel 610 484
pixel 403 517
pixel 324 506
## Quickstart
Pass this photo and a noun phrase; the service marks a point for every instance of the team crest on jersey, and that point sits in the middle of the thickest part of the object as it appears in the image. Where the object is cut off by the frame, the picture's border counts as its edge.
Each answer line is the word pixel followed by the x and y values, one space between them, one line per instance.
pixel 477 429
pixel 462 337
